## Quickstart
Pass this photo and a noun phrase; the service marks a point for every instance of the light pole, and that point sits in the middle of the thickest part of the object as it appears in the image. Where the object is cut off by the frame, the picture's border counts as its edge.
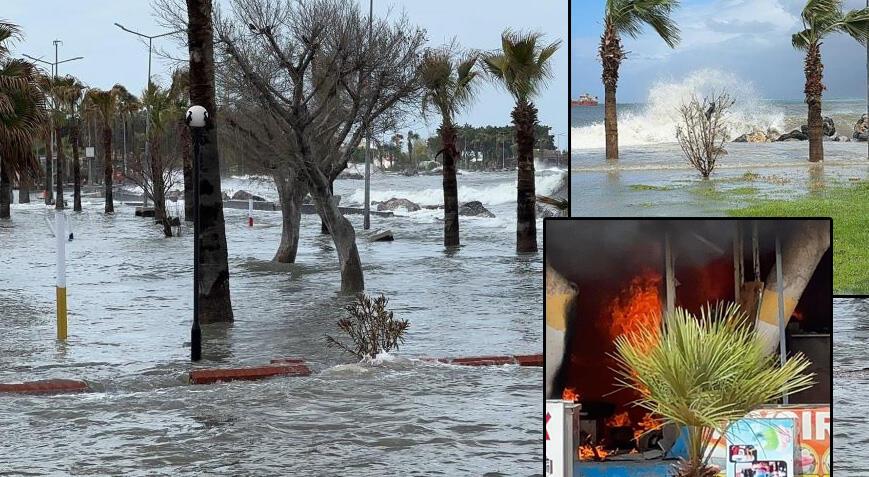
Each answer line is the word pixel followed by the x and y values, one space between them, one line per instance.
pixel 366 221
pixel 196 118
pixel 147 85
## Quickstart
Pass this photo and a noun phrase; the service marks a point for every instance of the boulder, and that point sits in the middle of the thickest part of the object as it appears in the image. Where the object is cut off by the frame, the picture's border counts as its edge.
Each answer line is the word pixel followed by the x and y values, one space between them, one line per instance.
pixel 381 236
pixel 395 203
pixel 546 210
pixel 226 196
pixel 842 139
pixel 756 136
pixel 474 208
pixel 861 129
pixel 795 135
pixel 347 174
pixel 829 127
pixel 245 195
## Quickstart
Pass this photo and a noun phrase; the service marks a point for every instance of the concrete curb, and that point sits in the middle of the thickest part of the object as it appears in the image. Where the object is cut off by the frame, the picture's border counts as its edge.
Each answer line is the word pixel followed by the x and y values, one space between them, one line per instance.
pixel 46 386
pixel 276 368
pixel 521 360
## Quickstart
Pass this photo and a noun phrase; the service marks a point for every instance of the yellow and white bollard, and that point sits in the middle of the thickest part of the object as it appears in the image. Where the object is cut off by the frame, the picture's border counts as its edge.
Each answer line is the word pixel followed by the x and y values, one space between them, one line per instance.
pixel 60 234
pixel 250 212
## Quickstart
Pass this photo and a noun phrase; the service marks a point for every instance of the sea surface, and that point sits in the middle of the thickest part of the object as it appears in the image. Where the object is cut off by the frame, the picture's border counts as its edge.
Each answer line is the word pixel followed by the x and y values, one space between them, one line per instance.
pixel 652 177
pixel 129 294
pixel 850 387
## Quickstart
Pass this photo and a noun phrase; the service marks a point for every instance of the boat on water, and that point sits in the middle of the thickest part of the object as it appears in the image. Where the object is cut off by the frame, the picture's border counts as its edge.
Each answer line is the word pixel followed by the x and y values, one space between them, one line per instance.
pixel 584 100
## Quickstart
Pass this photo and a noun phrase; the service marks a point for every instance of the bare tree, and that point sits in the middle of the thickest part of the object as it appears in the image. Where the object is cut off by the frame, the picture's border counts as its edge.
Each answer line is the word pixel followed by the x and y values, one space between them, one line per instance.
pixel 703 131
pixel 325 83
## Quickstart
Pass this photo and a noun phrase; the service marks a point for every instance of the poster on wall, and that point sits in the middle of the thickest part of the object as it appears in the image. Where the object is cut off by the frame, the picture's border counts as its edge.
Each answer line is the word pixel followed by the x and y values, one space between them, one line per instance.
pixel 762 447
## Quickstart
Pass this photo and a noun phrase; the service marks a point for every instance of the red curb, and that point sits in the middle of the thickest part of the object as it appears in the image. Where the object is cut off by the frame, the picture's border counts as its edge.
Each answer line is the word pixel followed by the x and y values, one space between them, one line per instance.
pixel 46 386
pixel 287 361
pixel 209 376
pixel 483 360
pixel 529 359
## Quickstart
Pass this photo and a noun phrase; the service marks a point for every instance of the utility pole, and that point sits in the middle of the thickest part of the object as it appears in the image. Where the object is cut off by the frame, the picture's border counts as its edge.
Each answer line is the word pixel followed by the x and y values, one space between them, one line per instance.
pixel 147 85
pixel 366 221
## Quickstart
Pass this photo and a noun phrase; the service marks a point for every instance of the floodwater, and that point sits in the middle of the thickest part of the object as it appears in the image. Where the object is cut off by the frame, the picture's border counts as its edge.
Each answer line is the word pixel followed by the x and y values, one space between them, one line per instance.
pixel 851 429
pixel 130 314
pixel 652 177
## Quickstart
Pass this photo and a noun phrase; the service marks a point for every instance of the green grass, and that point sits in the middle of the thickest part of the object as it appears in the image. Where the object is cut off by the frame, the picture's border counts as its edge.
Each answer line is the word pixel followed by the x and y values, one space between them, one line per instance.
pixel 849 208
pixel 644 187
pixel 743 191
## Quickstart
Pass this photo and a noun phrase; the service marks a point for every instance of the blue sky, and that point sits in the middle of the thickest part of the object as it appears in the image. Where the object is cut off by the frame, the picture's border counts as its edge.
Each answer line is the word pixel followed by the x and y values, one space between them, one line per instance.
pixel 749 38
pixel 113 56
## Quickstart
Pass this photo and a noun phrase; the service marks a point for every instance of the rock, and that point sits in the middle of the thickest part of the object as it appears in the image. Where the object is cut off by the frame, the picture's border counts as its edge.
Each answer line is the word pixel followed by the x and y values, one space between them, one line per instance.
pixel 395 203
pixel 842 139
pixel 795 135
pixel 861 129
pixel 245 195
pixel 756 136
pixel 381 236
pixel 226 196
pixel 772 134
pixel 829 127
pixel 346 174
pixel 545 210
pixel 474 208
pixel 427 165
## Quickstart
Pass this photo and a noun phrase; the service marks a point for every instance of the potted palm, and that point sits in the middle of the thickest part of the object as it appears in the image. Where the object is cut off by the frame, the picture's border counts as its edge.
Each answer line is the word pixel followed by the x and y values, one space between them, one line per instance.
pixel 703 373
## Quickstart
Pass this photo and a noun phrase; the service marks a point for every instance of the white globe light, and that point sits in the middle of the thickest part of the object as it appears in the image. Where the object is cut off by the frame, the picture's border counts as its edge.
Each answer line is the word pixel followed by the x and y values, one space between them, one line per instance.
pixel 196 116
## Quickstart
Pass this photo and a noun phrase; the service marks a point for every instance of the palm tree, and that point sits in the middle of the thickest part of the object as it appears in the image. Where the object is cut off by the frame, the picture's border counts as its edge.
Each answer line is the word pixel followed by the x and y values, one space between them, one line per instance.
pixel 216 305
pixel 126 105
pixel 163 111
pixel 102 103
pixel 59 91
pixel 448 82
pixel 522 67
pixel 822 18
pixel 704 373
pixel 628 17
pixel 70 95
pixel 411 136
pixel 22 116
pixel 180 93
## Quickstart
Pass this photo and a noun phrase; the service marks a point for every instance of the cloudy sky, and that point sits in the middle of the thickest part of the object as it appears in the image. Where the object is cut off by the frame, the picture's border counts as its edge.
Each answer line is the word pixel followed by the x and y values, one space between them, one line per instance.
pixel 749 38
pixel 113 56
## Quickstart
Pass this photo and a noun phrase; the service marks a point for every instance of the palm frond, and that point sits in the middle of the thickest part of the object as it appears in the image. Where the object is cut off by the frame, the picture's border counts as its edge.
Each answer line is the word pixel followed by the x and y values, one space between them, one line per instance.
pixel 856 24
pixel 523 65
pixel 629 16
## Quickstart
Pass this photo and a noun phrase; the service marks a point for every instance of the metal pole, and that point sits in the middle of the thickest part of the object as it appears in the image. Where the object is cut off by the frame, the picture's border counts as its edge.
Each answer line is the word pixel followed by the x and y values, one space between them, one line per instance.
pixel 124 119
pixel 147 129
pixel 737 263
pixel 195 331
pixel 669 273
pixel 366 221
pixel 781 307
pixel 60 288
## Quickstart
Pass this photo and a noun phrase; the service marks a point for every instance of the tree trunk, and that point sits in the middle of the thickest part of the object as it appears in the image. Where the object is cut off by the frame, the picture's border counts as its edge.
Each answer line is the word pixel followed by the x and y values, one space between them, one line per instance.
pixel 611 54
pixel 524 120
pixel 451 190
pixel 324 229
pixel 814 69
pixel 58 199
pixel 76 168
pixel 24 186
pixel 215 302
pixel 291 193
pixel 108 169
pixel 49 193
pixel 5 190
pixel 158 187
pixel 341 230
pixel 187 165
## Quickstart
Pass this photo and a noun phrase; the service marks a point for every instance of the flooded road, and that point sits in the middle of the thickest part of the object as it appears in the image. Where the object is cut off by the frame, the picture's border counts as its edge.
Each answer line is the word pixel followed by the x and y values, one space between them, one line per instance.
pixel 130 313
pixel 850 354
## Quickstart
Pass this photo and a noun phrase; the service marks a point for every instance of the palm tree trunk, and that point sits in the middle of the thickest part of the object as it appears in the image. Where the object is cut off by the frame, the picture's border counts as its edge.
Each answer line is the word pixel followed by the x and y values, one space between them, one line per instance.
pixel 814 89
pixel 49 194
pixel 158 187
pixel 58 202
pixel 108 170
pixel 451 191
pixel 524 120
pixel 5 190
pixel 215 302
pixel 76 168
pixel 24 185
pixel 611 54
pixel 187 167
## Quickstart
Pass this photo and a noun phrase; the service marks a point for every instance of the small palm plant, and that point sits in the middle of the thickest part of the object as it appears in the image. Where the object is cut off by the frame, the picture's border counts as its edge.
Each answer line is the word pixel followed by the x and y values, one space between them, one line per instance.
pixel 822 18
pixel 704 373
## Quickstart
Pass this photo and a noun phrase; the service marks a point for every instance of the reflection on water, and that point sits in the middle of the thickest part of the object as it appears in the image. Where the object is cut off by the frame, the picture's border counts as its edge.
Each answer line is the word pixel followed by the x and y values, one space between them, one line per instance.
pixel 850 386
pixel 130 308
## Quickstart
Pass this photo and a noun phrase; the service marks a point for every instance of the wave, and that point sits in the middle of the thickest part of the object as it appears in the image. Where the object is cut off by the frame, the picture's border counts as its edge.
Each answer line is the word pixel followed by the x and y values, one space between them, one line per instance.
pixel 656 122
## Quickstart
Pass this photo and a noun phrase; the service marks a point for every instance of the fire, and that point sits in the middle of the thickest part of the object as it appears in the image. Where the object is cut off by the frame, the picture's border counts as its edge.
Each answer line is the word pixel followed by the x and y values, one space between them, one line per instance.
pixel 798 315
pixel 588 452
pixel 619 420
pixel 648 423
pixel 638 306
pixel 569 394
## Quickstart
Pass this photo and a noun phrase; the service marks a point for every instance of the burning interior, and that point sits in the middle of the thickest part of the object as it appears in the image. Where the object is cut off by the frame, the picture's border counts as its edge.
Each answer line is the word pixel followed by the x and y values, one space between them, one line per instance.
pixel 606 278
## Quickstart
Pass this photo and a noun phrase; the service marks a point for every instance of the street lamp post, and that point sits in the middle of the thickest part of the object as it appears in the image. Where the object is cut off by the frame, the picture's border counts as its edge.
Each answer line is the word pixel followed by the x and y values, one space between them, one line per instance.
pixel 196 118
pixel 147 85
pixel 366 221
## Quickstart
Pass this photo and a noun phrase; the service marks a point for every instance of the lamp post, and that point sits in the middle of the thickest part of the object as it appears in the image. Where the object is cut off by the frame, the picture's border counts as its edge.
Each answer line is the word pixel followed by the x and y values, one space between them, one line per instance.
pixel 147 85
pixel 196 119
pixel 366 221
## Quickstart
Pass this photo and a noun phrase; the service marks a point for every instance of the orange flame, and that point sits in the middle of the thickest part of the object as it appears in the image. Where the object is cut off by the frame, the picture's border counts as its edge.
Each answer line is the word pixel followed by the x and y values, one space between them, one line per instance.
pixel 648 423
pixel 619 420
pixel 638 307
pixel 569 394
pixel 587 452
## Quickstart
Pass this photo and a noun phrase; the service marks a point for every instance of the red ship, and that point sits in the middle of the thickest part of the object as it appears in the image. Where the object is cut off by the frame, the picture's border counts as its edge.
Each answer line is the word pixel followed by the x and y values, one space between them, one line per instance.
pixel 585 100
